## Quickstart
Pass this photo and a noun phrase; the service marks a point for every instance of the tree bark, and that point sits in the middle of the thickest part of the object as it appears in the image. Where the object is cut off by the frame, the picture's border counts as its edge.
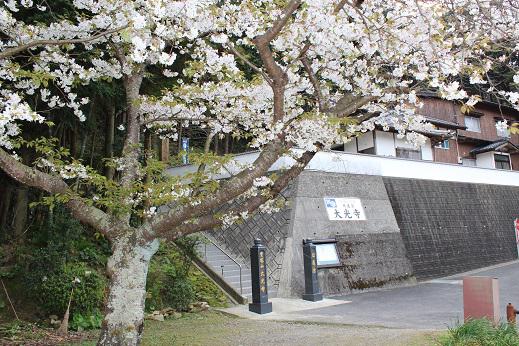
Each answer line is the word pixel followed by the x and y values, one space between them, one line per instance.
pixel 127 269
pixel 5 206
pixel 20 211
pixel 109 139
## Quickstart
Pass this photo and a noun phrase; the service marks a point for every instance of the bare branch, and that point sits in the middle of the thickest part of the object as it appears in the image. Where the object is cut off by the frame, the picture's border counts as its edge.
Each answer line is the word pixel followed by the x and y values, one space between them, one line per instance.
pixel 248 62
pixel 15 50
pixel 207 147
pixel 24 174
pixel 315 83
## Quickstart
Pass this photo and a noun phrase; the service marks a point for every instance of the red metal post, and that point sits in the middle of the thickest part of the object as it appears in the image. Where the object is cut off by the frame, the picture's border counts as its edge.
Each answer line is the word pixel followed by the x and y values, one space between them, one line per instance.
pixel 510 313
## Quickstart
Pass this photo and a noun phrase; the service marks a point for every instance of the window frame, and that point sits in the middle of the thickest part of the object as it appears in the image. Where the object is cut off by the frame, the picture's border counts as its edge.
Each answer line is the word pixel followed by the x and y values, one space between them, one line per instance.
pixel 441 145
pixel 500 135
pixel 508 161
pixel 475 119
pixel 419 151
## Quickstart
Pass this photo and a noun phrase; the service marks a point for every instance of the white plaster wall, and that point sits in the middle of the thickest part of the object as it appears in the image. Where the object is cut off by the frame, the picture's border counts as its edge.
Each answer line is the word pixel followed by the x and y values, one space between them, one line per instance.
pixel 401 143
pixel 427 152
pixel 365 141
pixel 351 146
pixel 340 162
pixel 485 160
pixel 384 144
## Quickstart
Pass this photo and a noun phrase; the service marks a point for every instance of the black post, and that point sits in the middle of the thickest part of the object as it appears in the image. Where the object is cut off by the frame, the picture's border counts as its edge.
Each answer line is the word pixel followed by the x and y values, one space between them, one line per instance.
pixel 260 303
pixel 312 292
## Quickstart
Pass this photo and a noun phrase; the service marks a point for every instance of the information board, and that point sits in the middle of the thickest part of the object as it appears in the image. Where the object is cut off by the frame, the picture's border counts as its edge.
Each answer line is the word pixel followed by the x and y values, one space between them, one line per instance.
pixel 344 209
pixel 326 255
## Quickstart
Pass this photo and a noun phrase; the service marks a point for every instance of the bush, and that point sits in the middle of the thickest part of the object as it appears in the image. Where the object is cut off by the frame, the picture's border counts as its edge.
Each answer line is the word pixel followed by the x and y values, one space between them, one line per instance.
pixel 173 282
pixel 167 284
pixel 53 292
pixel 481 332
pixel 58 251
pixel 91 321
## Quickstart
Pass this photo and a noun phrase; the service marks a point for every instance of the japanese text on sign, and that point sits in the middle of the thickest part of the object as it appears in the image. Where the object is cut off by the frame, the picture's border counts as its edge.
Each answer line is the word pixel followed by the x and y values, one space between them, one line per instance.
pixel 263 287
pixel 344 209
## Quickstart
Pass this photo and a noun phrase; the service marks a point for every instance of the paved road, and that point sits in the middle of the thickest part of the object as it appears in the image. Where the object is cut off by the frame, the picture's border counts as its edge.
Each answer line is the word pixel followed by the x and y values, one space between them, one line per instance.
pixel 436 304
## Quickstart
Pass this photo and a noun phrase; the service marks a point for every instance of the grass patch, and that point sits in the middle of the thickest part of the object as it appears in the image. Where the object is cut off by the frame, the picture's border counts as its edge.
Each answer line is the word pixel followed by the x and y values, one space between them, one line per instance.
pixel 481 332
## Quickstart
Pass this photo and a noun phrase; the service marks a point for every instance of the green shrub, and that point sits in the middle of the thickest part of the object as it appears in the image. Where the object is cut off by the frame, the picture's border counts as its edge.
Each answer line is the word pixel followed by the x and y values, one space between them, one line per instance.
pixel 53 291
pixel 56 252
pixel 180 294
pixel 167 283
pixel 206 290
pixel 86 322
pixel 173 282
pixel 481 332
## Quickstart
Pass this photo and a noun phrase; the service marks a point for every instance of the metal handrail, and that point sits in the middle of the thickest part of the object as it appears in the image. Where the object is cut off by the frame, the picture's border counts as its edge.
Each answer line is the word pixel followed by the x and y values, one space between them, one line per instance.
pixel 226 254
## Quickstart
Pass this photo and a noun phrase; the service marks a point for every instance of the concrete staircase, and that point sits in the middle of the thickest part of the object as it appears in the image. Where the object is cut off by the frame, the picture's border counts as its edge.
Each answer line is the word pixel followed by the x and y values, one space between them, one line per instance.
pixel 227 267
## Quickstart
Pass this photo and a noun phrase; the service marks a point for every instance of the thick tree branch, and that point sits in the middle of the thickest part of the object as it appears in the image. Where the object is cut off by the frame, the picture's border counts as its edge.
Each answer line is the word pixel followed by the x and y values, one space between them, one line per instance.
pixel 342 3
pixel 315 83
pixel 275 72
pixel 29 176
pixel 9 52
pixel 229 190
pixel 279 23
pixel 131 149
pixel 349 104
pixel 209 221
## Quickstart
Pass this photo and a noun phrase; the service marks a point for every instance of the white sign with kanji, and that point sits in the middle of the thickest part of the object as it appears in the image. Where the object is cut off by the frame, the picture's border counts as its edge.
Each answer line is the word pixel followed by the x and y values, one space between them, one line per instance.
pixel 344 209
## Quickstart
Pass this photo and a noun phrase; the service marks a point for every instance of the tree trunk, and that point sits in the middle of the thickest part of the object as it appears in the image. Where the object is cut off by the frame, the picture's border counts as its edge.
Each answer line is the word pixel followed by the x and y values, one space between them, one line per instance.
pixel 109 139
pixel 127 269
pixel 5 206
pixel 20 211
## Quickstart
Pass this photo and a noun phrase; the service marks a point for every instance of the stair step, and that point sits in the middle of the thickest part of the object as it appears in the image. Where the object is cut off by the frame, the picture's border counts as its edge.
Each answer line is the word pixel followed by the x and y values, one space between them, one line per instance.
pixel 215 258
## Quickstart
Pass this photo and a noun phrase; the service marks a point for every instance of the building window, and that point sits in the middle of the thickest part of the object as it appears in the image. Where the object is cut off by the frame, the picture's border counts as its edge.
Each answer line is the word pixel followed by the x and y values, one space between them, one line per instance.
pixel 443 144
pixel 408 154
pixel 472 123
pixel 502 161
pixel 502 131
pixel 468 162
pixel 370 151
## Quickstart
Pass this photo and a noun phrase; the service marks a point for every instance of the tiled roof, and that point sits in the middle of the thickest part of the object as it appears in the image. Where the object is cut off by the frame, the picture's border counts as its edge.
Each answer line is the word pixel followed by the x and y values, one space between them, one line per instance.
pixel 444 123
pixel 494 146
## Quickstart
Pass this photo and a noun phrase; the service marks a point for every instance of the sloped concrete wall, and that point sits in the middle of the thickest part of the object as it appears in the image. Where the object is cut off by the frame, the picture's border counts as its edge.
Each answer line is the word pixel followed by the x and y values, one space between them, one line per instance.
pixel 414 229
pixel 451 227
pixel 372 251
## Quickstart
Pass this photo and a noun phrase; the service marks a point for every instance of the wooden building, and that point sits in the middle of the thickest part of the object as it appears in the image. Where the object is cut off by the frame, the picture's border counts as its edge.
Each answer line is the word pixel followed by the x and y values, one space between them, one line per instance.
pixel 471 139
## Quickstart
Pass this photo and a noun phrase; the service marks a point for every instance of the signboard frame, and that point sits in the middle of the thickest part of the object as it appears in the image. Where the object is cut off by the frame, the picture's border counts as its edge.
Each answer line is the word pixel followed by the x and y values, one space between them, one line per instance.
pixel 330 245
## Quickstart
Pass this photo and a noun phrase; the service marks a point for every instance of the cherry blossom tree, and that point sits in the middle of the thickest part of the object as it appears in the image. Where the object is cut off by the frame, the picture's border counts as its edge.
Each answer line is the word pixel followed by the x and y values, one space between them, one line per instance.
pixel 285 75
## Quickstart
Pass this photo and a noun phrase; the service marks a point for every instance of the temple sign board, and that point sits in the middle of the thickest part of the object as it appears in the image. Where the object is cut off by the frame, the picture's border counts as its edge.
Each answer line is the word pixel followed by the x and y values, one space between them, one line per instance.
pixel 344 209
pixel 326 254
